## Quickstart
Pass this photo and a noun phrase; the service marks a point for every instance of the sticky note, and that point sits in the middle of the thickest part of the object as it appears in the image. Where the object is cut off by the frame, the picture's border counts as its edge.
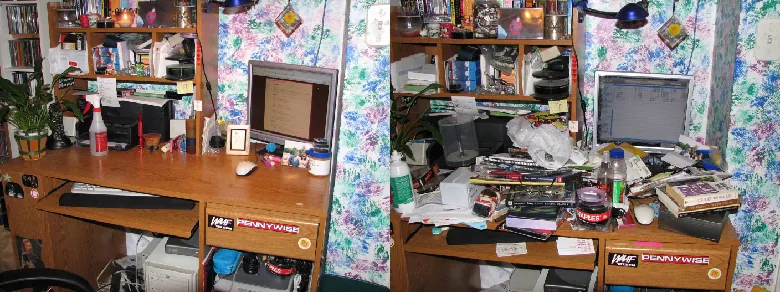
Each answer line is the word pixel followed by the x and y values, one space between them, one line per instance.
pixel 198 105
pixel 558 106
pixel 574 126
pixel 184 87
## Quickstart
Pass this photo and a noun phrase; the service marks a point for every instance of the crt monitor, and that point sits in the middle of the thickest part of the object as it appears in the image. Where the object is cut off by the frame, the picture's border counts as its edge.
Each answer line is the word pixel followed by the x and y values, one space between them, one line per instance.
pixel 647 110
pixel 291 102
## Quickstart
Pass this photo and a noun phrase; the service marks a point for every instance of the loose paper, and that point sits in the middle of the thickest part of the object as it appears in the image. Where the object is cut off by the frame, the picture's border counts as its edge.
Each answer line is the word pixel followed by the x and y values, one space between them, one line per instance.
pixel 184 87
pixel 558 106
pixel 574 246
pixel 288 107
pixel 465 105
pixel 197 105
pixel 574 126
pixel 511 249
pixel 481 225
pixel 638 166
pixel 107 91
pixel 677 160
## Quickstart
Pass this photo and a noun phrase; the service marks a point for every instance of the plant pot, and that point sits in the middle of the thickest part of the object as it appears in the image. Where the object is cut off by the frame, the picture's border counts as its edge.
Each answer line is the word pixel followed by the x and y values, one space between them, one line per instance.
pixel 32 146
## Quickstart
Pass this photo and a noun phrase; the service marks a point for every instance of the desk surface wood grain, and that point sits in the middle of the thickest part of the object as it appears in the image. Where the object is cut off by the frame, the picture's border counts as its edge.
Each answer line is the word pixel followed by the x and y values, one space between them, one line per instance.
pixel 207 178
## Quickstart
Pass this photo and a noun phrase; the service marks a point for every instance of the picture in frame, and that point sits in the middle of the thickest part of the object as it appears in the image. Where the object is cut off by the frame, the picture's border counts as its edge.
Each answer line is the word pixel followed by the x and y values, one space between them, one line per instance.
pixel 237 140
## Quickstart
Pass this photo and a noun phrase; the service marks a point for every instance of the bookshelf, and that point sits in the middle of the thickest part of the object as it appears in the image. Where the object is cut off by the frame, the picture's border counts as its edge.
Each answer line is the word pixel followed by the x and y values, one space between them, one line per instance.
pixel 444 48
pixel 5 35
pixel 96 36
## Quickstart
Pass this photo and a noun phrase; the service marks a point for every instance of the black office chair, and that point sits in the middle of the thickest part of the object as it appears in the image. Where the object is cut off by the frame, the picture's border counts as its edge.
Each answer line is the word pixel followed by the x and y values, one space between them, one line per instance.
pixel 41 279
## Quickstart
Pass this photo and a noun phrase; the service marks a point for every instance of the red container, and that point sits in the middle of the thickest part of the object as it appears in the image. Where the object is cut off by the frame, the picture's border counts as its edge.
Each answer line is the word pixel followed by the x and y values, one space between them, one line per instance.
pixel 446 30
pixel 84 20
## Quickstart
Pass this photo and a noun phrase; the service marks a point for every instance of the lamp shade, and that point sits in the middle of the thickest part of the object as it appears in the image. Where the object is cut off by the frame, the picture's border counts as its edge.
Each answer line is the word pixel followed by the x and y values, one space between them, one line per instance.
pixel 236 3
pixel 632 12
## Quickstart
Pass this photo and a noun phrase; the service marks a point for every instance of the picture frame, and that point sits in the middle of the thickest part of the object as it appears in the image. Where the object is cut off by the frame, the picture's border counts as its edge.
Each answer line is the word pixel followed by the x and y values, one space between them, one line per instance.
pixel 237 140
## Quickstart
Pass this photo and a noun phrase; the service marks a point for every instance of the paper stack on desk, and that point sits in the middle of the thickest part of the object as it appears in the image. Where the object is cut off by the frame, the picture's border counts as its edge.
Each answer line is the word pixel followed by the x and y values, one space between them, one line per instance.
pixel 575 246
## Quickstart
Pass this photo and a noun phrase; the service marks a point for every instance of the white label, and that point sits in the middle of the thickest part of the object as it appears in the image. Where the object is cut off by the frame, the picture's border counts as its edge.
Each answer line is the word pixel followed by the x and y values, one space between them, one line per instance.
pixel 511 249
pixel 767 40
pixel 198 105
pixel 574 126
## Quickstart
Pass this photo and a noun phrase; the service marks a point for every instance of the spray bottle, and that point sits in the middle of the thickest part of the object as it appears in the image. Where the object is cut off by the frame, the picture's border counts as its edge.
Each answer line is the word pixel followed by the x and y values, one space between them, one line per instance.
pixel 98 133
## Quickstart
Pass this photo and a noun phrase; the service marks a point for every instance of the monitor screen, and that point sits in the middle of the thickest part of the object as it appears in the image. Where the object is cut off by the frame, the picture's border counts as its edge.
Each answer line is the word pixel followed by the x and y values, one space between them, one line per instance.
pixel 291 102
pixel 643 109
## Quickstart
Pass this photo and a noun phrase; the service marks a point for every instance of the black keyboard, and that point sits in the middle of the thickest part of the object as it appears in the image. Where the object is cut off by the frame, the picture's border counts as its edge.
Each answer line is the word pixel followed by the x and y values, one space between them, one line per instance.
pixel 126 202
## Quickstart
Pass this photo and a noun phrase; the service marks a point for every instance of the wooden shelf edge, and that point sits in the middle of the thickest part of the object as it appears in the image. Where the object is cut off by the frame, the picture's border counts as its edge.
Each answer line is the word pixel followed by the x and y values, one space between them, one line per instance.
pixel 127 78
pixel 129 30
pixel 486 97
pixel 529 42
pixel 25 36
pixel 178 223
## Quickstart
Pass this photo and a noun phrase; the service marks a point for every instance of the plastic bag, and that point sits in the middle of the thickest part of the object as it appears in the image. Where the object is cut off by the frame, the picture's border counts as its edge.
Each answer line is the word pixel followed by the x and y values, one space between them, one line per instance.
pixel 548 146
pixel 532 63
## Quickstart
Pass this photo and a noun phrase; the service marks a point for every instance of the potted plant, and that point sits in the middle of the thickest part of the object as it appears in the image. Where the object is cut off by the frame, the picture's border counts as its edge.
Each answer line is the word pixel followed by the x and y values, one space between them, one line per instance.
pixel 402 129
pixel 34 114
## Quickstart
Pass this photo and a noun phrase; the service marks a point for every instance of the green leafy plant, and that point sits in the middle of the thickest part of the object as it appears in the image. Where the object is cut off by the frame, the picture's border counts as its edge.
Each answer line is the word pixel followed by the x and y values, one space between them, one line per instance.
pixel 402 128
pixel 32 113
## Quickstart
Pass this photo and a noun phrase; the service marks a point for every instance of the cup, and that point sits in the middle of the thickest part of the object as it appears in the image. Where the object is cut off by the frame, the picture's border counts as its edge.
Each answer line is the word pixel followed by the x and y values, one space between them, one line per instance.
pixel 84 20
pixel 93 19
pixel 434 30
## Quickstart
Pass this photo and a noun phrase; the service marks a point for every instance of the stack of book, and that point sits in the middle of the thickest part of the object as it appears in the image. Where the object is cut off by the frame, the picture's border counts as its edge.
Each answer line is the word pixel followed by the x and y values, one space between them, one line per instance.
pixel 698 196
pixel 420 79
pixel 537 202
pixel 697 207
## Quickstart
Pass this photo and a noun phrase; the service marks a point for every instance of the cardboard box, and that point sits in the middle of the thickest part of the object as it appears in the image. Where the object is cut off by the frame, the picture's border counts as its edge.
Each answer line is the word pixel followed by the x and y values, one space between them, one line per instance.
pixel 456 190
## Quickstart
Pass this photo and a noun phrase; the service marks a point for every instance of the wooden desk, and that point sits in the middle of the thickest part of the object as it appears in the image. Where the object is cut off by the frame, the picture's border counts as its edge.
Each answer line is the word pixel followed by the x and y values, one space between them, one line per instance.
pixel 86 244
pixel 425 261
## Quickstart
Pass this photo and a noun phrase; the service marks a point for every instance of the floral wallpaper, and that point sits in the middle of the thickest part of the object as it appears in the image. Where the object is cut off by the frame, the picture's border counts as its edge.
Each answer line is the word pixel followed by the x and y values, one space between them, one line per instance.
pixel 359 227
pixel 641 50
pixel 253 35
pixel 752 153
pixel 358 242
pixel 725 52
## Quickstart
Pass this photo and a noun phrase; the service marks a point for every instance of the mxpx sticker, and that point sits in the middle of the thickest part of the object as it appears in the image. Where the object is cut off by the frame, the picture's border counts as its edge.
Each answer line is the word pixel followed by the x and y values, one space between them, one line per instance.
pixel 278 227
pixel 623 260
pixel 221 222
pixel 676 259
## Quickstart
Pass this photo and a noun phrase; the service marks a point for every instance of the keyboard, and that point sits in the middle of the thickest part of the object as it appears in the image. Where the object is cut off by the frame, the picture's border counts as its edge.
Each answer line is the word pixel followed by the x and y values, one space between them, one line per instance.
pixel 82 188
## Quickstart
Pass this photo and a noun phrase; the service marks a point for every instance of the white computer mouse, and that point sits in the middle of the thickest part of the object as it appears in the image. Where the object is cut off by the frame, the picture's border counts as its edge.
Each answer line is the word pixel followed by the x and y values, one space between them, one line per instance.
pixel 245 168
pixel 644 214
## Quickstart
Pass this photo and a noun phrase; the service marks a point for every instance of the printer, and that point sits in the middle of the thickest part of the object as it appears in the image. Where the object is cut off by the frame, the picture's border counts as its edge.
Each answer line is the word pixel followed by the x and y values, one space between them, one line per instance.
pixel 122 122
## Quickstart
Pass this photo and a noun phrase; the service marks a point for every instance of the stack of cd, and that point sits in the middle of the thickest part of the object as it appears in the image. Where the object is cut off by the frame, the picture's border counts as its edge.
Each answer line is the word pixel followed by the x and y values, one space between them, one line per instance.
pixel 555 80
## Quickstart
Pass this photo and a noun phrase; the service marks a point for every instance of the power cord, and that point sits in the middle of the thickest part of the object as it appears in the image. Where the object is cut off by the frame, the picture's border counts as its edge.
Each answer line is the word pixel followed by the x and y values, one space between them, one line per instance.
pixel 322 32
pixel 208 83
pixel 693 39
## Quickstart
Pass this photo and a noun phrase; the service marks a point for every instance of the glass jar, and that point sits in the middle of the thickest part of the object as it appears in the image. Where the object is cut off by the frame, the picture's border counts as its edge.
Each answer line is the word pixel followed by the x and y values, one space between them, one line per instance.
pixel 594 210
pixel 67 18
pixel 408 26
pixel 486 19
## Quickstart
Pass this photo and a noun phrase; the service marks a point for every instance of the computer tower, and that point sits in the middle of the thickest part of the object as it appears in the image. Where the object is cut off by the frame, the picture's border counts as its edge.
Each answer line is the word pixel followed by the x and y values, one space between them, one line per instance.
pixel 170 273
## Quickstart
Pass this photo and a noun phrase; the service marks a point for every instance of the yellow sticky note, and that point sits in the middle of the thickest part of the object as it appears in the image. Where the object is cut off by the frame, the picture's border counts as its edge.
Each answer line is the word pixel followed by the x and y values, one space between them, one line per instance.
pixel 184 87
pixel 632 149
pixel 558 106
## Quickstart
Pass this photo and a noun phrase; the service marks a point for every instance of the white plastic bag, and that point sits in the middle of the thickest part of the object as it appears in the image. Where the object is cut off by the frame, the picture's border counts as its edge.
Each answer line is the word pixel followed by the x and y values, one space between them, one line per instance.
pixel 548 146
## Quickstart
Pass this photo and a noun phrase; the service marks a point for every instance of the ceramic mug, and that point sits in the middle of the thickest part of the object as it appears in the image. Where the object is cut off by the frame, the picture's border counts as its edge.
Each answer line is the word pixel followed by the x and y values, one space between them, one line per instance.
pixel 93 19
pixel 434 30
pixel 84 20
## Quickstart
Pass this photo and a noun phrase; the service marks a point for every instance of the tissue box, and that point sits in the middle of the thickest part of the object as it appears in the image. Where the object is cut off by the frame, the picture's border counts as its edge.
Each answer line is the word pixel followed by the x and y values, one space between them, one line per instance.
pixel 456 190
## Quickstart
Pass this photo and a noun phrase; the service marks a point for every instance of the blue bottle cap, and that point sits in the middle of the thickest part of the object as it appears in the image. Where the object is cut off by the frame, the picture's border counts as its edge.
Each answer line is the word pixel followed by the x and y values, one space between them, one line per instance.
pixel 616 153
pixel 270 147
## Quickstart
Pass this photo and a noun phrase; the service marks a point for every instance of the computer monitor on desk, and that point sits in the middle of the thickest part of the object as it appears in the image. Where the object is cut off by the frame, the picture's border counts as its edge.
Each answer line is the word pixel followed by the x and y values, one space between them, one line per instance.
pixel 647 110
pixel 291 102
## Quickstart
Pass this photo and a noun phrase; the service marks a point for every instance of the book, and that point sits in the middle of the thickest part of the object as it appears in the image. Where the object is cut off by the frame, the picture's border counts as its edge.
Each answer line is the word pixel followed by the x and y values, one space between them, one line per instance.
pixel 538 234
pixel 535 212
pixel 500 176
pixel 426 73
pixel 687 193
pixel 534 217
pixel 544 195
pixel 730 205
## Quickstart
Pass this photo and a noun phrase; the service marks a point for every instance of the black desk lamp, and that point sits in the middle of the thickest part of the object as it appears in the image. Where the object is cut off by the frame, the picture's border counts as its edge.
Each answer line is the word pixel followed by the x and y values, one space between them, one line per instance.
pixel 632 15
pixel 228 4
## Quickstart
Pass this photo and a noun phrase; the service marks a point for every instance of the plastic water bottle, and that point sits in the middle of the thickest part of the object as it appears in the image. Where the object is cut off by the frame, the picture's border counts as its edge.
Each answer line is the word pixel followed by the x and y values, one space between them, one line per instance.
pixel 401 184
pixel 616 175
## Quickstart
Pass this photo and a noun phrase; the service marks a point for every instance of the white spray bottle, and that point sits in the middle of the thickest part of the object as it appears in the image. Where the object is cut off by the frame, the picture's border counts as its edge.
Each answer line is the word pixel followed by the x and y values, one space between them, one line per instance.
pixel 98 133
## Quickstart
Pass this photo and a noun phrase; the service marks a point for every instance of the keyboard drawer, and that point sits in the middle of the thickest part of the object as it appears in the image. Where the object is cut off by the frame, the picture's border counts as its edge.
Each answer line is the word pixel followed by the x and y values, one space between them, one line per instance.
pixel 667 265
pixel 262 231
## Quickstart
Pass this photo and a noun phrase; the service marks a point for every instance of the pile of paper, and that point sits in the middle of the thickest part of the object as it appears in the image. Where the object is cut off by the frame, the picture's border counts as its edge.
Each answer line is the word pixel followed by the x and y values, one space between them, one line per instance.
pixel 442 215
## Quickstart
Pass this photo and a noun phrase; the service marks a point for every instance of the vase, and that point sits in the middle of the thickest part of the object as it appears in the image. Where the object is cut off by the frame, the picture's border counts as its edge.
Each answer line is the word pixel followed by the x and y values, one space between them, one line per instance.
pixel 57 140
pixel 32 146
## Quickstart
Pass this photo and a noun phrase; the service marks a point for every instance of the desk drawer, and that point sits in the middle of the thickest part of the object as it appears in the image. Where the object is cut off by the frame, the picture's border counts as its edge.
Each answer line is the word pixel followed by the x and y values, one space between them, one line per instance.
pixel 262 231
pixel 667 265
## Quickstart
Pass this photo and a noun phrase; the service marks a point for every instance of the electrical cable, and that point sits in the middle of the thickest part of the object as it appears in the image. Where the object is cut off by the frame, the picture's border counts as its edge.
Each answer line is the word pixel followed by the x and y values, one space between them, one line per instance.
pixel 693 38
pixel 208 83
pixel 140 235
pixel 322 32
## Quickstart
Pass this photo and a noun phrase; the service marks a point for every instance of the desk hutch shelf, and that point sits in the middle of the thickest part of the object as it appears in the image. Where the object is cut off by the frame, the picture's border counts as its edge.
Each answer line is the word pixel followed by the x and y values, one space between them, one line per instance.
pixel 445 48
